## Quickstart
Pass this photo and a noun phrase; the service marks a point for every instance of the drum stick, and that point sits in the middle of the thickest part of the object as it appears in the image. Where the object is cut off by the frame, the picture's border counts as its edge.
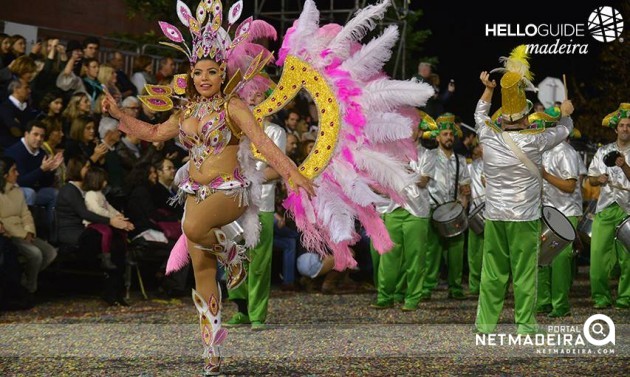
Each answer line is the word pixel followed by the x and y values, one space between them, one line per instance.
pixel 566 89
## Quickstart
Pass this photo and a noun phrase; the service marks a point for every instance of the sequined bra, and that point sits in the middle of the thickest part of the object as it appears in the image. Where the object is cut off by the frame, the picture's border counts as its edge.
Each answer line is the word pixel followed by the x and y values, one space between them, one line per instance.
pixel 215 133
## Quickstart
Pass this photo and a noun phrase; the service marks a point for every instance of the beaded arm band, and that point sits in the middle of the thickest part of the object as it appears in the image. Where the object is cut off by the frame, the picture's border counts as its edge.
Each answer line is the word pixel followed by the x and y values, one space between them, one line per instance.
pixel 149 132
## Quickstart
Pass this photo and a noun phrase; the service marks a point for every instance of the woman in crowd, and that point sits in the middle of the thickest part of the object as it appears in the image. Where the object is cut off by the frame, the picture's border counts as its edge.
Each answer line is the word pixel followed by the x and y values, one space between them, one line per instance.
pixel 17 48
pixel 71 212
pixel 142 72
pixel 78 106
pixel 52 145
pixel 107 77
pixel 18 224
pixel 83 141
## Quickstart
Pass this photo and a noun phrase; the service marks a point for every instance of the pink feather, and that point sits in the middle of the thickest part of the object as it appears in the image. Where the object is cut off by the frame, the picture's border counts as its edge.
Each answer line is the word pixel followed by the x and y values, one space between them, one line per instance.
pixel 261 29
pixel 179 255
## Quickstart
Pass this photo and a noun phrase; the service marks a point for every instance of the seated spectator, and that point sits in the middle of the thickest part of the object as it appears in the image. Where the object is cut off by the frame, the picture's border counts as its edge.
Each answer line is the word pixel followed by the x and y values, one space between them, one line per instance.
pixel 164 191
pixel 83 142
pixel 164 75
pixel 110 137
pixel 292 149
pixel 15 113
pixel 36 168
pixel 5 46
pixel 69 80
pixel 124 84
pixel 93 184
pixel 13 296
pixel 17 48
pixel 54 60
pixel 51 105
pixel 107 77
pixel 131 106
pixel 142 72
pixel 91 46
pixel 23 69
pixel 90 81
pixel 52 145
pixel 291 123
pixel 78 106
pixel 129 151
pixel 71 212
pixel 19 226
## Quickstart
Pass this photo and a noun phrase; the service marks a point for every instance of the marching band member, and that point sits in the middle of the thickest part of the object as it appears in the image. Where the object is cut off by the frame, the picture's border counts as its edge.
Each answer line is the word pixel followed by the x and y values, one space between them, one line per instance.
pixel 475 241
pixel 612 207
pixel 451 183
pixel 561 191
pixel 401 271
pixel 513 200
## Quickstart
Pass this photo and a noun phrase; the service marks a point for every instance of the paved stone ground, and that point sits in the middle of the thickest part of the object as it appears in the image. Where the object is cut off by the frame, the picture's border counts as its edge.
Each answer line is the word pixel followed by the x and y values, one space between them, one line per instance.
pixel 309 334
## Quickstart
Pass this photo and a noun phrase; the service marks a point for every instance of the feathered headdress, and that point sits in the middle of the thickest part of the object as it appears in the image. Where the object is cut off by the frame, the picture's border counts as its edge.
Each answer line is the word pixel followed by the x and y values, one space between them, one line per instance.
pixel 515 81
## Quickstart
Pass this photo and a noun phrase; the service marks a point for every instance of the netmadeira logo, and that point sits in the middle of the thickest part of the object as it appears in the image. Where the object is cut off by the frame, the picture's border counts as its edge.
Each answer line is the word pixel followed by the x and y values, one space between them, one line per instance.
pixel 605 24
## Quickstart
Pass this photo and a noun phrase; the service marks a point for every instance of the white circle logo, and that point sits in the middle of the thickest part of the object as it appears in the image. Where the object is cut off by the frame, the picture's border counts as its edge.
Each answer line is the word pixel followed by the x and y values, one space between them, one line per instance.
pixel 605 24
pixel 603 335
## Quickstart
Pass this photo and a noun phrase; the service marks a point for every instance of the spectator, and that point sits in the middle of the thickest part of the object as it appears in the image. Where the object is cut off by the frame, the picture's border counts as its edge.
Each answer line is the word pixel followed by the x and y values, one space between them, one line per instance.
pixel 129 151
pixel 17 48
pixel 164 191
pixel 71 212
pixel 164 75
pixel 15 113
pixel 435 105
pixel 107 77
pixel 94 182
pixel 110 137
pixel 142 72
pixel 69 79
pixel 131 106
pixel 90 48
pixel 51 105
pixel 5 46
pixel 19 225
pixel 53 63
pixel 24 68
pixel 90 81
pixel 126 87
pixel 37 170
pixel 83 142
pixel 78 106
pixel 291 123
pixel 12 295
pixel 292 147
pixel 148 115
pixel 52 145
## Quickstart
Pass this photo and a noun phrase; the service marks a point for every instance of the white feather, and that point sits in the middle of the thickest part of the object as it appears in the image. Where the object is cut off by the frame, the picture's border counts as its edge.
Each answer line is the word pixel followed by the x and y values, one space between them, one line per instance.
pixel 334 214
pixel 385 127
pixel 384 169
pixel 307 26
pixel 362 23
pixel 353 185
pixel 368 61
pixel 386 95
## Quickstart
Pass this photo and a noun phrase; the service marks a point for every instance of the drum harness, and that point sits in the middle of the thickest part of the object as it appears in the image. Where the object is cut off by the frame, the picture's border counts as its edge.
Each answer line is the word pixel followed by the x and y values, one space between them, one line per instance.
pixel 456 181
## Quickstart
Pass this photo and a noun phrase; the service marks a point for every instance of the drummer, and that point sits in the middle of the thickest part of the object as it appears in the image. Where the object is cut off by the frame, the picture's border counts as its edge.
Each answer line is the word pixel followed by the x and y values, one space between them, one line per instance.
pixel 561 191
pixel 513 199
pixel 451 183
pixel 475 241
pixel 612 207
pixel 401 271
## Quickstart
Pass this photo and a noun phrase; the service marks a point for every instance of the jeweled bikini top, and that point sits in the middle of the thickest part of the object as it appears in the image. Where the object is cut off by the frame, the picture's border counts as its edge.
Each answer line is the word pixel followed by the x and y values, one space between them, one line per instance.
pixel 215 133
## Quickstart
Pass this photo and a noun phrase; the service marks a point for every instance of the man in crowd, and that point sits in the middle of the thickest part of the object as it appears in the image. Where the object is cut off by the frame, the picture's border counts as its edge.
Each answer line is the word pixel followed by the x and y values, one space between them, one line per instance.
pixel 15 113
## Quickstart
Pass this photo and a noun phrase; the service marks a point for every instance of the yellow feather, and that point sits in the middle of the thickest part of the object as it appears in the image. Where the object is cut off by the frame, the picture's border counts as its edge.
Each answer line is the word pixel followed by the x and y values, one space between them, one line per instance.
pixel 518 62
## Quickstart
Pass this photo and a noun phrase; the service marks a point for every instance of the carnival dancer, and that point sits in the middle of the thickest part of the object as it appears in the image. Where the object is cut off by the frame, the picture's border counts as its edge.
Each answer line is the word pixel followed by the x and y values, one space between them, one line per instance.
pixel 478 198
pixel 356 150
pixel 513 199
pixel 401 271
pixel 561 190
pixel 613 206
pixel 451 182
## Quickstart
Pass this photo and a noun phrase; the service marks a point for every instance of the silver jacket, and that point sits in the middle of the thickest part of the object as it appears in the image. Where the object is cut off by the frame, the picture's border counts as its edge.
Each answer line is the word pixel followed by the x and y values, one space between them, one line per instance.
pixel 442 187
pixel 477 189
pixel 610 194
pixel 268 196
pixel 417 198
pixel 512 192
pixel 562 162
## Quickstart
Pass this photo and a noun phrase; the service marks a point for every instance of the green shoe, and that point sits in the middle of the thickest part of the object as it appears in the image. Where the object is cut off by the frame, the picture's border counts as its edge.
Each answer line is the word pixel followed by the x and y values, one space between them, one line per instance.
pixel 258 326
pixel 544 309
pixel 622 305
pixel 555 314
pixel 381 305
pixel 457 295
pixel 599 305
pixel 409 308
pixel 238 319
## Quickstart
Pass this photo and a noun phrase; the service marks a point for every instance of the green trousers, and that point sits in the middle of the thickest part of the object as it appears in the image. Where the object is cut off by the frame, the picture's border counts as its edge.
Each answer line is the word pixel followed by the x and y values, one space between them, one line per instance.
pixel 401 270
pixel 605 252
pixel 452 250
pixel 509 246
pixel 554 281
pixel 475 257
pixel 255 290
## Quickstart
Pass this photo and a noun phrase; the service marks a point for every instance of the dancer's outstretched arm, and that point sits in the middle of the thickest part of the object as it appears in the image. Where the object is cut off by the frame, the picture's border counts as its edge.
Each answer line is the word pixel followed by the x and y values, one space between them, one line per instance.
pixel 241 116
pixel 145 131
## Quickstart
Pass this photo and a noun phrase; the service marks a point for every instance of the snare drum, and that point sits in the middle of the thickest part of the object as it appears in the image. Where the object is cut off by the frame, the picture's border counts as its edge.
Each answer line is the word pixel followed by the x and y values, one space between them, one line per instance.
pixel 233 231
pixel 623 233
pixel 450 219
pixel 585 225
pixel 557 233
pixel 476 219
